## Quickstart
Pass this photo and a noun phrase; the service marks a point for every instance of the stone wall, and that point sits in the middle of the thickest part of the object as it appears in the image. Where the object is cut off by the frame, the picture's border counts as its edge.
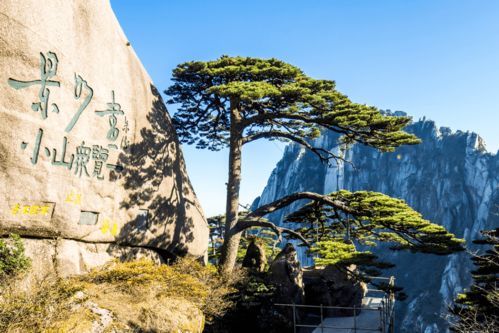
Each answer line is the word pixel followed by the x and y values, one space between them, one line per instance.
pixel 88 154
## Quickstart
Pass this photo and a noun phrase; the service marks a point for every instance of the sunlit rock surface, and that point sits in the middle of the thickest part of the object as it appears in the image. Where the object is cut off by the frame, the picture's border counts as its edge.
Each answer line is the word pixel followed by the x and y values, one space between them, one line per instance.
pixel 87 149
pixel 450 178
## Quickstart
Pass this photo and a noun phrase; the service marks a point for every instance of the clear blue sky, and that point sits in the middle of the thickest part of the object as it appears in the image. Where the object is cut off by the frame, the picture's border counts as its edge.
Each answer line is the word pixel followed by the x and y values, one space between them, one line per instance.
pixel 433 58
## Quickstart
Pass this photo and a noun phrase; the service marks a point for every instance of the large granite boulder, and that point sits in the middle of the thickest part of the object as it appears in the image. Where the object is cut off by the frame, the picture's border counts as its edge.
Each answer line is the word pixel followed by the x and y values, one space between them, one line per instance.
pixel 331 286
pixel 87 148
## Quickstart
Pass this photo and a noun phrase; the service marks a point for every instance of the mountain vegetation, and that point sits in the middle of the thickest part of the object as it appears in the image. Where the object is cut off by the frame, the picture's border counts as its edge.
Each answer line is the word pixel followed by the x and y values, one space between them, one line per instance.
pixel 477 309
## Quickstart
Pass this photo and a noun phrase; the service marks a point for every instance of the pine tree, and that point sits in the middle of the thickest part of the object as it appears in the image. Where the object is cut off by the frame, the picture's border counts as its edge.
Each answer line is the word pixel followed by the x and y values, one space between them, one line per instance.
pixel 331 225
pixel 232 101
pixel 478 309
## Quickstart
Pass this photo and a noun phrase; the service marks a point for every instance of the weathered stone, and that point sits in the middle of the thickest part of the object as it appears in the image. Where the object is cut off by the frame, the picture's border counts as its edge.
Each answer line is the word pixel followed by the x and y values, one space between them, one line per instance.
pixel 87 148
pixel 331 286
pixel 74 257
pixel 42 255
pixel 286 274
pixel 255 257
pixel 61 257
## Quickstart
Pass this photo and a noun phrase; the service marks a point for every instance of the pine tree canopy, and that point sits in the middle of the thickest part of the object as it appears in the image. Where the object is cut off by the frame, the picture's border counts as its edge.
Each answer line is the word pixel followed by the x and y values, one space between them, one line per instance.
pixel 370 218
pixel 484 294
pixel 273 100
pixel 478 308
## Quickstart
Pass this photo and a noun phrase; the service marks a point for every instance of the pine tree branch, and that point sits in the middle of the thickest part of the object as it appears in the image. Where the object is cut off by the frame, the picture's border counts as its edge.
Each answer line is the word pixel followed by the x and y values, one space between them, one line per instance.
pixel 246 223
pixel 262 117
pixel 323 154
pixel 289 199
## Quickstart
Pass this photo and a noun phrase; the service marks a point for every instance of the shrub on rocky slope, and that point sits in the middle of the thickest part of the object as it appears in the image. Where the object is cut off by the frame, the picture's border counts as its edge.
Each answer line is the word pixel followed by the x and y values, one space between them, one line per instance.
pixel 137 296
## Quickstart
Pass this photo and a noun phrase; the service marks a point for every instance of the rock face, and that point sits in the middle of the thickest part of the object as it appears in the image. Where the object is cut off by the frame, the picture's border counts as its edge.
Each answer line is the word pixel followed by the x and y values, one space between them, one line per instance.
pixel 64 257
pixel 449 178
pixel 286 275
pixel 88 154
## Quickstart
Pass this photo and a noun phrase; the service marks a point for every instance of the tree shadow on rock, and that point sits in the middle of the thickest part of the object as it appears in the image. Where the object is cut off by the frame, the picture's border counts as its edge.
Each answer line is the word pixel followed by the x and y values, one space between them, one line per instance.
pixel 158 189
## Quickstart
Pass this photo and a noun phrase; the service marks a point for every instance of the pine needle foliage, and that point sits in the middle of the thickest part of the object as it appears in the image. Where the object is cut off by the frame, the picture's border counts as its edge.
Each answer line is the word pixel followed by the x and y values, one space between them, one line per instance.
pixel 368 218
pixel 275 100
pixel 477 309
pixel 264 237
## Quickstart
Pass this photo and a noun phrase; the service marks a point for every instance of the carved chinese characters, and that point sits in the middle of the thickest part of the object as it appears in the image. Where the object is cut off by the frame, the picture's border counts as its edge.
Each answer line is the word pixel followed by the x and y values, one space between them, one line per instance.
pixel 88 159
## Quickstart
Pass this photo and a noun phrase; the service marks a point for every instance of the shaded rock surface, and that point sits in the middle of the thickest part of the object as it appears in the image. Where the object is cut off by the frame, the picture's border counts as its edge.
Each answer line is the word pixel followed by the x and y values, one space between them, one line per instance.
pixel 88 153
pixel 286 275
pixel 330 286
pixel 255 257
pixel 450 178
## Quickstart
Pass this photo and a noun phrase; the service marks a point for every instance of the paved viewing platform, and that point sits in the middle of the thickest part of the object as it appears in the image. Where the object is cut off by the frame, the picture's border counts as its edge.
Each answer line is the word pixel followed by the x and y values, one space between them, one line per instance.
pixel 375 315
pixel 370 319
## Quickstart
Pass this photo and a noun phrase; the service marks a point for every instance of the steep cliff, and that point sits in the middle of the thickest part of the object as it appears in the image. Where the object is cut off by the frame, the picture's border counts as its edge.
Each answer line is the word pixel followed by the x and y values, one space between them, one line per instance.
pixel 450 178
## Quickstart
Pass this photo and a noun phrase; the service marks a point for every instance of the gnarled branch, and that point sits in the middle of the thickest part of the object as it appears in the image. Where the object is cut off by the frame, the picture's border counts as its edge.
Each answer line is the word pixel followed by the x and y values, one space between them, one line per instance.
pixel 323 154
pixel 246 223
pixel 289 199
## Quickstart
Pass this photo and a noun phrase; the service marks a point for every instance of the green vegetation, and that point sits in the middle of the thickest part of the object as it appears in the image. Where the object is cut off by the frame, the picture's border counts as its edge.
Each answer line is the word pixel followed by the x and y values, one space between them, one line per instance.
pixel 372 217
pixel 252 301
pixel 12 257
pixel 42 308
pixel 264 237
pixel 230 102
pixel 477 310
pixel 367 218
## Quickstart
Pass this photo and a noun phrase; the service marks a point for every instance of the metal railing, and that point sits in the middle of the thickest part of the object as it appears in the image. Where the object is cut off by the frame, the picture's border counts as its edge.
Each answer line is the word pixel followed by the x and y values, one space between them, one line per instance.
pixel 386 311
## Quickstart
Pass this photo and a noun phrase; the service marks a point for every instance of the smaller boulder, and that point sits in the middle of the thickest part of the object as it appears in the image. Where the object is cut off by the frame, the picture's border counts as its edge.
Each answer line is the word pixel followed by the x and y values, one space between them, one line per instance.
pixel 331 286
pixel 255 258
pixel 286 274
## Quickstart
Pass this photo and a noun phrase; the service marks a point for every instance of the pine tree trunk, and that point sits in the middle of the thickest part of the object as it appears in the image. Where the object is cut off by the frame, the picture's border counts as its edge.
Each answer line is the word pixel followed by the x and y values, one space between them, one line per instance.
pixel 231 237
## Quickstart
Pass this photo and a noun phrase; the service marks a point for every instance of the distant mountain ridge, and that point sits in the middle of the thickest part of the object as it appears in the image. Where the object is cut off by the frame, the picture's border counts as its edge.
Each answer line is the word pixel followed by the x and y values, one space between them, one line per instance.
pixel 450 178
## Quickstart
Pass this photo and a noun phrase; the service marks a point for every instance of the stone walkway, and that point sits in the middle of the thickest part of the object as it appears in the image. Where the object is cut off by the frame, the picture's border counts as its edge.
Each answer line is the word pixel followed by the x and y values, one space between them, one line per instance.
pixel 368 321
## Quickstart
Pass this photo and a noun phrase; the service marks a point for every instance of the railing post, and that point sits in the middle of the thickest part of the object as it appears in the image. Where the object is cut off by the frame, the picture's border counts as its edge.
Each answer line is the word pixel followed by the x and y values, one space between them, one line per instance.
pixel 381 326
pixel 322 320
pixel 391 310
pixel 387 312
pixel 354 319
pixel 383 310
pixel 294 318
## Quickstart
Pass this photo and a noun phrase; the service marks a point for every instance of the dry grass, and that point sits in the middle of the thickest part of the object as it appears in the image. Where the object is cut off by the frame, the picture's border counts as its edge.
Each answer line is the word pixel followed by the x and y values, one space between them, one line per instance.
pixel 140 295
pixel 39 309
